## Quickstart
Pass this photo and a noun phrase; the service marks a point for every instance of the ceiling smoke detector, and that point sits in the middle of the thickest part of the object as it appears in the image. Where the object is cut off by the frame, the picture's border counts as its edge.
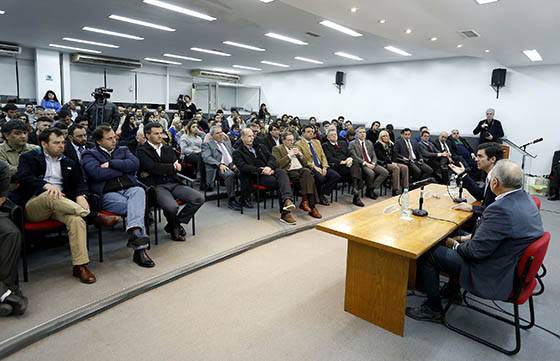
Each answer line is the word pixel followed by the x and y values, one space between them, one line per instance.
pixel 469 34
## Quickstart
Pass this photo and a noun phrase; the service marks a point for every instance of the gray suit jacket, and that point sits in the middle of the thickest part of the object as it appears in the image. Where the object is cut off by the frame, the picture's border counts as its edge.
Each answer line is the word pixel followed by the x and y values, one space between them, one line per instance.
pixel 212 157
pixel 507 227
pixel 356 151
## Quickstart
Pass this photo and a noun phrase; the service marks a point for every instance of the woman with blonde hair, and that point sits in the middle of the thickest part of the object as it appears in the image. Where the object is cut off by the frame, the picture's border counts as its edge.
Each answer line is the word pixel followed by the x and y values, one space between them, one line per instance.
pixel 387 157
pixel 191 145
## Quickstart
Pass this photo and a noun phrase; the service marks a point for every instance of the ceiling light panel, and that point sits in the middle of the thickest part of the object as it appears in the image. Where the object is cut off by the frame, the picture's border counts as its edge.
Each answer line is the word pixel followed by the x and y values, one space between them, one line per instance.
pixel 181 57
pixel 2 12
pixel 275 64
pixel 214 52
pixel 338 27
pixel 140 22
pixel 246 67
pixel 397 51
pixel 74 48
pixel 244 46
pixel 162 61
pixel 267 1
pixel 91 43
pixel 113 33
pixel 285 38
pixel 308 60
pixel 348 56
pixel 533 55
pixel 229 71
pixel 483 2
pixel 179 9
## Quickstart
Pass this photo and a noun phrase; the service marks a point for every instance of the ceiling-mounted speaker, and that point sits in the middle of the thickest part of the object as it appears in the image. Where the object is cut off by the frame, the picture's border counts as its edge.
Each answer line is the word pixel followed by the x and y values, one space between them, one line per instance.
pixel 339 80
pixel 499 77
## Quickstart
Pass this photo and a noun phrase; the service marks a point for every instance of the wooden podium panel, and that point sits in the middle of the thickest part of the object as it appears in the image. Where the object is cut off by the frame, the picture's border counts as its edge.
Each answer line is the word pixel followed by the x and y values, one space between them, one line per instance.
pixel 382 252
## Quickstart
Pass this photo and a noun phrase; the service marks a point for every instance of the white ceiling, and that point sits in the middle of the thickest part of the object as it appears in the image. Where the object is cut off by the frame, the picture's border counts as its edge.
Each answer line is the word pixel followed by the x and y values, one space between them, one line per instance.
pixel 506 28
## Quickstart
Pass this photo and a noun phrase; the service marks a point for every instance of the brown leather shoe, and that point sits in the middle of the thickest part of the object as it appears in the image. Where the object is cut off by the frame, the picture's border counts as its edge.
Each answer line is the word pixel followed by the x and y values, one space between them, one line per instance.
pixel 103 220
pixel 288 218
pixel 84 274
pixel 315 213
pixel 304 205
pixel 288 205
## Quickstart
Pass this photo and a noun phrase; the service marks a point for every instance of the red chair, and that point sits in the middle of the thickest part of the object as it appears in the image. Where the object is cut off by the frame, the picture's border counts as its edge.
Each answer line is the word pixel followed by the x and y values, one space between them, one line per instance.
pixel 258 188
pixel 524 283
pixel 100 232
pixel 537 202
pixel 543 268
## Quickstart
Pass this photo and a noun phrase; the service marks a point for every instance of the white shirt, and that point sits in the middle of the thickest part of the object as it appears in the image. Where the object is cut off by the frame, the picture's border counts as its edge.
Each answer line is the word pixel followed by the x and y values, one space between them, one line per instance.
pixel 226 157
pixel 506 193
pixel 488 179
pixel 294 161
pixel 53 173
pixel 444 147
pixel 157 148
pixel 77 149
pixel 410 149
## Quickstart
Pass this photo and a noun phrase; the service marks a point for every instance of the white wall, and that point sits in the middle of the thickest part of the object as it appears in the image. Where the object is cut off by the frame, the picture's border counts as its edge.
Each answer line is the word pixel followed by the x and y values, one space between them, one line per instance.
pixel 443 94
pixel 26 69
pixel 47 73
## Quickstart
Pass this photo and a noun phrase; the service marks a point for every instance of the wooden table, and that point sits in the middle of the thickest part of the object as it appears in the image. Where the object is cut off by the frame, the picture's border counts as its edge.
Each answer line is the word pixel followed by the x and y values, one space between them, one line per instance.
pixel 383 249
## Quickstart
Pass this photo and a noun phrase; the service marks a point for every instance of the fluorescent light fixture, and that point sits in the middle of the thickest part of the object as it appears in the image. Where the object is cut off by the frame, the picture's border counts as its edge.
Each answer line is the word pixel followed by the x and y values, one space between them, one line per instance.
pixel 91 43
pixel 215 52
pixel 382 21
pixel 408 31
pixel 107 32
pixel 353 10
pixel 228 71
pixel 181 57
pixel 244 46
pixel 275 64
pixel 162 61
pixel 179 9
pixel 338 27
pixel 487 51
pixel 460 46
pixel 482 2
pixel 2 12
pixel 267 1
pixel 73 48
pixel 434 38
pixel 308 60
pixel 533 55
pixel 246 67
pixel 397 51
pixel 140 22
pixel 285 38
pixel 349 56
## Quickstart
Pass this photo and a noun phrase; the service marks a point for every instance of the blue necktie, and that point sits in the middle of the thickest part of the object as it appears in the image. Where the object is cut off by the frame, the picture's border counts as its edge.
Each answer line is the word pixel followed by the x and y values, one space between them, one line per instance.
pixel 314 154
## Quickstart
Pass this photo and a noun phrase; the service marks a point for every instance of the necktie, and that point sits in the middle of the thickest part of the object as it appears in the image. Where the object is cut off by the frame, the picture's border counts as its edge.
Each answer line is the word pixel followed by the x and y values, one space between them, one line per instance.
pixel 411 154
pixel 365 153
pixel 314 154
pixel 81 149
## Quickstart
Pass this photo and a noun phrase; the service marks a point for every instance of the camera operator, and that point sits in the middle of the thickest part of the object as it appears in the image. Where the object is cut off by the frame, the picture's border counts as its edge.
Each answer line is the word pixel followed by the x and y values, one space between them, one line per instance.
pixel 101 110
pixel 490 129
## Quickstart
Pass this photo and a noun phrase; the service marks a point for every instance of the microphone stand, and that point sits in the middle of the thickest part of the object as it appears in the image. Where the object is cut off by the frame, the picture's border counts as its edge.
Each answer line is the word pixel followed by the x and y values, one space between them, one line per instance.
pixel 419 212
pixel 460 199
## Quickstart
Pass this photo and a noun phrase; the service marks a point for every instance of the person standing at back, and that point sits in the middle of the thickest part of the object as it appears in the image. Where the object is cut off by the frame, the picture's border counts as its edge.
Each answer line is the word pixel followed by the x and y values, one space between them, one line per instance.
pixel 490 129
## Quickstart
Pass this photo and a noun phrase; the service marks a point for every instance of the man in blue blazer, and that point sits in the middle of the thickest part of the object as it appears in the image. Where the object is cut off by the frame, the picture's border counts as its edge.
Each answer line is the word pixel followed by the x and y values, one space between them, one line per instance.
pixel 486 263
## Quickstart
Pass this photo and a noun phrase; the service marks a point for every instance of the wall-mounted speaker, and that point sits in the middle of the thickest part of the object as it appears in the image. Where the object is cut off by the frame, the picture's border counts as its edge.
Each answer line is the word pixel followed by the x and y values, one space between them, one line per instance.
pixel 499 77
pixel 339 80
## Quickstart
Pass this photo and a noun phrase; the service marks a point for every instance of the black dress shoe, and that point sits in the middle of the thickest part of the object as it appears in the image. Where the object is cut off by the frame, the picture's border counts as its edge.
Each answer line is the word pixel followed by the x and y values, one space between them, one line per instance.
pixel 357 201
pixel 233 204
pixel 5 310
pixel 324 201
pixel 18 304
pixel 137 238
pixel 371 194
pixel 424 313
pixel 247 204
pixel 142 259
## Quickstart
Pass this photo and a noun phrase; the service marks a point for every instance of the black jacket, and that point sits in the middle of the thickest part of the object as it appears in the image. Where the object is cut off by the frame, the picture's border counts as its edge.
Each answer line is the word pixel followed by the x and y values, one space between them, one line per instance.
pixel 487 197
pixel 70 152
pixel 248 163
pixel 495 129
pixel 386 155
pixel 336 153
pixel 402 150
pixel 161 170
pixel 31 171
pixel 268 142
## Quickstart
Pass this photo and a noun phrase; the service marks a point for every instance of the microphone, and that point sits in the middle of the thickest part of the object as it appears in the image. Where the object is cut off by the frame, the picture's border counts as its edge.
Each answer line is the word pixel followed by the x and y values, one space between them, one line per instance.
pixel 422 183
pixel 537 140
pixel 460 199
pixel 419 212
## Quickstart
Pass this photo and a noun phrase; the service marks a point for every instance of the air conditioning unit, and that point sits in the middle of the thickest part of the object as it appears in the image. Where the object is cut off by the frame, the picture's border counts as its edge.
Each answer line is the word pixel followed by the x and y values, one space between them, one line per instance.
pixel 9 49
pixel 109 61
pixel 211 74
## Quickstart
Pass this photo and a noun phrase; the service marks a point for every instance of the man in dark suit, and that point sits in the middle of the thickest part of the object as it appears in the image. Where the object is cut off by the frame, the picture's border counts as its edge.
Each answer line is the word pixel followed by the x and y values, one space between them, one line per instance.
pixel 363 152
pixel 554 188
pixel 77 143
pixel 339 158
pixel 490 129
pixel 256 164
pixel 408 149
pixel 438 161
pixel 272 139
pixel 159 166
pixel 12 302
pixel 486 263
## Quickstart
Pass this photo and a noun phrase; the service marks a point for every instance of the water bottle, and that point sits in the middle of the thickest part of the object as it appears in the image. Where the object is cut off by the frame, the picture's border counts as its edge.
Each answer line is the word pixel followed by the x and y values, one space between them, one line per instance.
pixel 453 191
pixel 405 209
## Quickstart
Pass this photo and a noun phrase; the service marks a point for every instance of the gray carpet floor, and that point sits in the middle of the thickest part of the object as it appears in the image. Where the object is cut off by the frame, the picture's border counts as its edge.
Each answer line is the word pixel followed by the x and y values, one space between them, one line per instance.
pixel 284 301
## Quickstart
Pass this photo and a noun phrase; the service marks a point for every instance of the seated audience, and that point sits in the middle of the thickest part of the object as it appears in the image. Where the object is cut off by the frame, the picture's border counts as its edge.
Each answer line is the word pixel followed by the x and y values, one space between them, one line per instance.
pixel 387 157
pixel 191 146
pixel 111 174
pixel 461 148
pixel 11 111
pixel 127 130
pixel 554 178
pixel 12 302
pixel 272 139
pixel 339 158
pixel 411 157
pixel 217 156
pixel 442 145
pixel 418 138
pixel 43 123
pixel 76 143
pixel 15 144
pixel 312 151
pixel 363 153
pixel 62 127
pixel 30 113
pixel 257 165
pixel 485 265
pixel 373 132
pixel 290 159
pixel 50 102
pixel 438 161
pixel 159 167
pixel 64 116
pixel 234 134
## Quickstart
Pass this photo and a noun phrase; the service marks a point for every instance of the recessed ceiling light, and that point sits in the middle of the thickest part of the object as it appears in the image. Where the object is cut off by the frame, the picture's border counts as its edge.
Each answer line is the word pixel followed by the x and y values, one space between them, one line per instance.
pixel 162 61
pixel 408 31
pixel 2 12
pixel 382 21
pixel 246 67
pixel 433 38
pixel 354 10
pixel 482 2
pixel 487 50
pixel 275 64
pixel 342 29
pixel 181 57
pixel 229 71
pixel 397 50
pixel 308 60
pixel 108 32
pixel 267 1
pixel 179 9
pixel 460 45
pixel 245 46
pixel 91 43
pixel 215 52
pixel 285 38
pixel 73 48
pixel 346 55
pixel 140 22
pixel 533 55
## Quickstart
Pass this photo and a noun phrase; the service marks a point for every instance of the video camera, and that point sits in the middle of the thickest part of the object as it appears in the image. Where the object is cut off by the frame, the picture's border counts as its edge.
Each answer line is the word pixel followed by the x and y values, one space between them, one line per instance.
pixel 101 93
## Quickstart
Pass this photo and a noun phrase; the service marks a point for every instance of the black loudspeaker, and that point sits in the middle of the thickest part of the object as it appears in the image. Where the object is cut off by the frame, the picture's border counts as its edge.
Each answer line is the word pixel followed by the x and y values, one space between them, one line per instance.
pixel 339 80
pixel 499 77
